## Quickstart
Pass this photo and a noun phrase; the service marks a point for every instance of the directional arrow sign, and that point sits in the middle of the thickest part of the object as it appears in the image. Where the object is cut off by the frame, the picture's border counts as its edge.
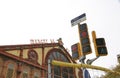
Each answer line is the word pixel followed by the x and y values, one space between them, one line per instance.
pixel 78 19
pixel 86 74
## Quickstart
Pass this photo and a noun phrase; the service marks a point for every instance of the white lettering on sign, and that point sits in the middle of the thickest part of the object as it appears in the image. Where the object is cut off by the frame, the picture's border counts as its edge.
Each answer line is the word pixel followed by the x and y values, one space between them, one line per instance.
pixel 41 41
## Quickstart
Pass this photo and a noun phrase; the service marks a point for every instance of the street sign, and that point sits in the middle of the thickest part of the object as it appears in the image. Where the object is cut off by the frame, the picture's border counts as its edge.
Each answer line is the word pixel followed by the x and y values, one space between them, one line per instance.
pixel 78 19
pixel 86 74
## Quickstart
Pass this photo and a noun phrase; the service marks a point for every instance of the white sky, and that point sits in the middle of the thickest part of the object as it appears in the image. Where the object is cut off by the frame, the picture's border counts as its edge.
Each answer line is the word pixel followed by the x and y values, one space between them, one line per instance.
pixel 22 20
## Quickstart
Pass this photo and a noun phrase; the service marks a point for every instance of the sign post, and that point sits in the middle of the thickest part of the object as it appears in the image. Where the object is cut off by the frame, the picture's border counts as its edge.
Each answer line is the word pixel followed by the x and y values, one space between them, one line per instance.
pixel 85 48
pixel 83 36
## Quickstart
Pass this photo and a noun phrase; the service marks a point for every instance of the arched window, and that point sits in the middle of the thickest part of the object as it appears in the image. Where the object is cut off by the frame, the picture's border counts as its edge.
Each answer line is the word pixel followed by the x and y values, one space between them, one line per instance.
pixel 57 71
pixel 10 70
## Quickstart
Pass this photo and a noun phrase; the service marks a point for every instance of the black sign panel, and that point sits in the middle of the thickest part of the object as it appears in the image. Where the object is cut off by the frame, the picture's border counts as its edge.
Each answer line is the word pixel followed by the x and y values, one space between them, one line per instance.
pixel 102 50
pixel 100 41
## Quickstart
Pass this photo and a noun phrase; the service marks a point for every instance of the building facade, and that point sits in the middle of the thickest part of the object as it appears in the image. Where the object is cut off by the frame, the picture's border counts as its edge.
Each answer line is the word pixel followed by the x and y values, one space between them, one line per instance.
pixel 31 61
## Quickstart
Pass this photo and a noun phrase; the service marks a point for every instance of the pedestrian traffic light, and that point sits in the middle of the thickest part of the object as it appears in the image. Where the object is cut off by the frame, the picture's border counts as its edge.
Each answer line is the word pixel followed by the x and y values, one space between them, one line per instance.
pixel 76 52
pixel 84 39
pixel 100 45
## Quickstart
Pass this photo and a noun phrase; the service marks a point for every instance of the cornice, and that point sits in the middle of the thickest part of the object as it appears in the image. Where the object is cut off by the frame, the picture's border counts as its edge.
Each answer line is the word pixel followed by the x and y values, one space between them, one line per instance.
pixel 27 46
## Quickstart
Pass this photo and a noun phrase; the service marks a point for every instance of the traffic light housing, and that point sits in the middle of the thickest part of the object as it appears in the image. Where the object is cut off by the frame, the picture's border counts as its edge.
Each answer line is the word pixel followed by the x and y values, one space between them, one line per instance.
pixel 84 39
pixel 99 45
pixel 76 52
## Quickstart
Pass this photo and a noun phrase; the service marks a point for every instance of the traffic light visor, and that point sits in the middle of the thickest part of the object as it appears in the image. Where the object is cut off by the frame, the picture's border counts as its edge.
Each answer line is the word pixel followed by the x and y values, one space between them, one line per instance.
pixel 100 41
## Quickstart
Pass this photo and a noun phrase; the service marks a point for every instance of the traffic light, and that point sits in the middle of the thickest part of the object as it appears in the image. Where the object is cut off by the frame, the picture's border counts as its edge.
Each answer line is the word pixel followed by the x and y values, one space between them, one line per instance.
pixel 76 52
pixel 84 39
pixel 101 47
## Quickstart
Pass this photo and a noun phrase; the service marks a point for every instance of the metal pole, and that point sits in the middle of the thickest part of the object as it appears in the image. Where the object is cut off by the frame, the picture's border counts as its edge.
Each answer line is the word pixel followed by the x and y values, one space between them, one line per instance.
pixel 82 59
pixel 90 61
pixel 49 68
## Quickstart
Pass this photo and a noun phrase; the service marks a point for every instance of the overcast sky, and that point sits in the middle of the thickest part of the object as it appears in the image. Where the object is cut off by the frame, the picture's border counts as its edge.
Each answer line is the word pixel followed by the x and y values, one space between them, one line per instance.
pixel 22 20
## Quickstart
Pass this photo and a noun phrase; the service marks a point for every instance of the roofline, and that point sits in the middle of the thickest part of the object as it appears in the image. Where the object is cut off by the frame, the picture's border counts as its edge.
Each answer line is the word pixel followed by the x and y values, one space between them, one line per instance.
pixel 27 46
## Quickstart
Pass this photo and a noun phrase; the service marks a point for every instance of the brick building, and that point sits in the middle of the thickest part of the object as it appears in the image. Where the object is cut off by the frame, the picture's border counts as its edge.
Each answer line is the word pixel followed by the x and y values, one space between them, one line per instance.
pixel 31 61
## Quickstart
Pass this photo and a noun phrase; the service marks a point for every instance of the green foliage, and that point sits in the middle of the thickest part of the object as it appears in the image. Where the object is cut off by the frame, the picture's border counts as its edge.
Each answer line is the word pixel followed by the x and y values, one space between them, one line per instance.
pixel 111 75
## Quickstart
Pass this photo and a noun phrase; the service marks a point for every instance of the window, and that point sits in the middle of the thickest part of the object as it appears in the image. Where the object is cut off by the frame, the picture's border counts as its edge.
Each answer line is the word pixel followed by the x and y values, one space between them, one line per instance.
pixel 36 75
pixel 10 71
pixel 25 73
pixel 65 72
pixel 57 71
